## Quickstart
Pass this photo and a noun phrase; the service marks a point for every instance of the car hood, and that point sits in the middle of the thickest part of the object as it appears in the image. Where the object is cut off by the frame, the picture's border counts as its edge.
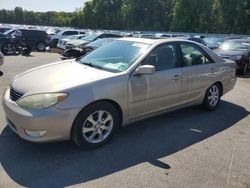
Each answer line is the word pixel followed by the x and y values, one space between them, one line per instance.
pixel 229 52
pixel 77 42
pixel 65 40
pixel 57 76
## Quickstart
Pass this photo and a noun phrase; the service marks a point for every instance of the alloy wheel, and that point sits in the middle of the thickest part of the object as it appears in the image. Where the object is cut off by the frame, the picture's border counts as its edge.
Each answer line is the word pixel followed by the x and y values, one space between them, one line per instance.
pixel 9 49
pixel 213 95
pixel 98 126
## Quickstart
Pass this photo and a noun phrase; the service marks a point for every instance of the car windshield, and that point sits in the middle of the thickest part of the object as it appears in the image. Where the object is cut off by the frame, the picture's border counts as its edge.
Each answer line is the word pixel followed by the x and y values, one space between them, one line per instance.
pixel 235 45
pixel 2 35
pixel 116 56
pixel 72 37
pixel 90 38
pixel 9 32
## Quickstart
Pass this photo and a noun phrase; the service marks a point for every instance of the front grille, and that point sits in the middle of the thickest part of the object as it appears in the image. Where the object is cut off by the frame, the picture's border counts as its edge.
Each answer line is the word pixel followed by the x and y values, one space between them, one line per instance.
pixel 15 95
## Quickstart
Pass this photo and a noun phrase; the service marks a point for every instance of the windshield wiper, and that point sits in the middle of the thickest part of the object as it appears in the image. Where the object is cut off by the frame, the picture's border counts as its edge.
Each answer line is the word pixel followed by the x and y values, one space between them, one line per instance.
pixel 92 65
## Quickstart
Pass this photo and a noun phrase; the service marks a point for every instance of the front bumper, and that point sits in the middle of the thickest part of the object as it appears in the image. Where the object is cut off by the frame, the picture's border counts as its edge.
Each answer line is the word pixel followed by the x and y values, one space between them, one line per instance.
pixel 55 122
pixel 61 46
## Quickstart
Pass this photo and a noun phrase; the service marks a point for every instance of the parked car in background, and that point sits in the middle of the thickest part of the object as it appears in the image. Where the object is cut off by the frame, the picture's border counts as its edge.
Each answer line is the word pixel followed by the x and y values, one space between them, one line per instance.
pixel 4 29
pixel 163 35
pixel 62 43
pixel 195 39
pixel 237 50
pixel 124 81
pixel 167 35
pixel 36 39
pixel 78 52
pixel 63 34
pixel 214 42
pixel 1 62
pixel 7 44
pixel 90 38
pixel 147 36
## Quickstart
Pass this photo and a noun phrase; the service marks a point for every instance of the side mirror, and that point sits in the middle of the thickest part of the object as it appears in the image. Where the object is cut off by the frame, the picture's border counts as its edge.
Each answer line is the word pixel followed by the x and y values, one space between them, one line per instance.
pixel 145 70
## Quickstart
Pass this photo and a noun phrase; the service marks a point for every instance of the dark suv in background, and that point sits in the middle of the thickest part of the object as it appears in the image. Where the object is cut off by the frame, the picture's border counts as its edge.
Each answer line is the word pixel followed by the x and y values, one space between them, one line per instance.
pixel 36 39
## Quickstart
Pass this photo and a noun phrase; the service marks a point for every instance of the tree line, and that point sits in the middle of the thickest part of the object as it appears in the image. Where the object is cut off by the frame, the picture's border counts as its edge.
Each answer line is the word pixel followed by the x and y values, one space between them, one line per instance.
pixel 206 16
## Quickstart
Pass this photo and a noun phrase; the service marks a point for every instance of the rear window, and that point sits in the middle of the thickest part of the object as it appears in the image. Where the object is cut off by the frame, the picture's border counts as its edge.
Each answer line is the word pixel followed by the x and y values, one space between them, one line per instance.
pixel 70 33
pixel 33 33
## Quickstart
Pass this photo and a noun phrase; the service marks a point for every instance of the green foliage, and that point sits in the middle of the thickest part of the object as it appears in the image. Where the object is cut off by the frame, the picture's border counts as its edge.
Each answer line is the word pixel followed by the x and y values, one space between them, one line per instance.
pixel 20 16
pixel 212 16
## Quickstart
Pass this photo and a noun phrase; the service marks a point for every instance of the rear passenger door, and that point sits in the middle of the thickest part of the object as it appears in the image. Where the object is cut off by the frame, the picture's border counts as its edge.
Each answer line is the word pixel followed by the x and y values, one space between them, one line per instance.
pixel 199 71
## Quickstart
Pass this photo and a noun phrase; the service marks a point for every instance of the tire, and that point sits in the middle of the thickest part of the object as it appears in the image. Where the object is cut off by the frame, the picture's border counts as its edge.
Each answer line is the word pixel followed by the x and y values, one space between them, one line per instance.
pixel 90 130
pixel 54 43
pixel 8 49
pixel 40 46
pixel 212 97
pixel 243 70
pixel 26 51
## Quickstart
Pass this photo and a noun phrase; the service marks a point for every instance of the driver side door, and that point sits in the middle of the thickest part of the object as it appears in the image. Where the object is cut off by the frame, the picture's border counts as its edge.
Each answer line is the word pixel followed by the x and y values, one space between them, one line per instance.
pixel 158 91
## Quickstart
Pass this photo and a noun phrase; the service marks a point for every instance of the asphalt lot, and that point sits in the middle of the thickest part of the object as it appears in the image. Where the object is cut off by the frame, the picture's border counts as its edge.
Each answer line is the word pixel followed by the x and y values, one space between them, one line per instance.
pixel 186 148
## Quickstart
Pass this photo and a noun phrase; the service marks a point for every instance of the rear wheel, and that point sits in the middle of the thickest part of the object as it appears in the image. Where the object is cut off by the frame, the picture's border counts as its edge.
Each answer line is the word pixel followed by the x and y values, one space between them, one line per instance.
pixel 8 49
pixel 212 97
pixel 40 46
pixel 95 125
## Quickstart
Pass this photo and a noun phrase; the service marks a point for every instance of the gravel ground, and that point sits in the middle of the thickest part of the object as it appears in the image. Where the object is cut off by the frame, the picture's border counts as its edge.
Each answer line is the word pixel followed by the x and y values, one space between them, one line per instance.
pixel 185 148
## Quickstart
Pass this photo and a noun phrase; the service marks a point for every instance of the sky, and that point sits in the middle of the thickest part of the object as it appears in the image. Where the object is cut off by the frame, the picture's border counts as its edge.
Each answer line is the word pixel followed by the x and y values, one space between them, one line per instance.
pixel 42 5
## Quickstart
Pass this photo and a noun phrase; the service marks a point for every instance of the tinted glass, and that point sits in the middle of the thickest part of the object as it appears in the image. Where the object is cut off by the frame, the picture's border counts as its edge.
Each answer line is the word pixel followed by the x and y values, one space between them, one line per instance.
pixel 70 33
pixel 90 38
pixel 193 55
pixel 100 42
pixel 163 57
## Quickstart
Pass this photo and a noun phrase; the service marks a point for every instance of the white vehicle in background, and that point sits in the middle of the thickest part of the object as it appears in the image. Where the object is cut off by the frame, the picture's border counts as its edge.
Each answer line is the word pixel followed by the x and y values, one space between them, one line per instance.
pixel 62 43
pixel 63 34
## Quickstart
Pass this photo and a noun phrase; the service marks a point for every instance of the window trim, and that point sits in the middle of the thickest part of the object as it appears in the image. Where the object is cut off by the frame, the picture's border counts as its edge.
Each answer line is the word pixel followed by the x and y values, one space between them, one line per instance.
pixel 196 46
pixel 178 59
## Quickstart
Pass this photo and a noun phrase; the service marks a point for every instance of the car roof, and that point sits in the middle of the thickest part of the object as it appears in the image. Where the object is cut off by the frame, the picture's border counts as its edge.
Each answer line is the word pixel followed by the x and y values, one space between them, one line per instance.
pixel 153 41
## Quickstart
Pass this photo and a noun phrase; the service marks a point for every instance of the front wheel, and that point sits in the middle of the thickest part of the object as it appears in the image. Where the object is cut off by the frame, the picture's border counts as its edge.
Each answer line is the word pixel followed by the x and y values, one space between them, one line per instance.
pixel 8 49
pixel 95 125
pixel 212 97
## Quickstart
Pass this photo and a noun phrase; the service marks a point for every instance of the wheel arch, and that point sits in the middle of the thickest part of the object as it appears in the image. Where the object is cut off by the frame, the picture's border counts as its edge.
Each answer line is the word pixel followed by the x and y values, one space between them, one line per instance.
pixel 219 83
pixel 112 102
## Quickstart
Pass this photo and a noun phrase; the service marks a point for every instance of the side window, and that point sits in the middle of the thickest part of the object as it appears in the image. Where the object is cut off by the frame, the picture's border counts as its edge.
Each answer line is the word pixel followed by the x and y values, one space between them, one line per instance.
pixel 192 55
pixel 70 33
pixel 162 57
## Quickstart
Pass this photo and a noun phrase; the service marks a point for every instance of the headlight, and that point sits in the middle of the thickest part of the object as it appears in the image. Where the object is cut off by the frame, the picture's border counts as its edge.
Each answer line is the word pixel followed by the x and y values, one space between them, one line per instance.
pixel 236 58
pixel 40 101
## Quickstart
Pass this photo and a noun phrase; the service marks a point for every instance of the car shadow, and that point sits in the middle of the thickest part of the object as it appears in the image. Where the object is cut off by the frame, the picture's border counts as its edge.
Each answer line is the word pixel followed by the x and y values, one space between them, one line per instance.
pixel 62 164
pixel 247 75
